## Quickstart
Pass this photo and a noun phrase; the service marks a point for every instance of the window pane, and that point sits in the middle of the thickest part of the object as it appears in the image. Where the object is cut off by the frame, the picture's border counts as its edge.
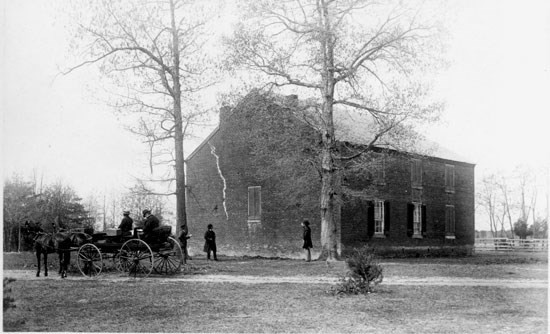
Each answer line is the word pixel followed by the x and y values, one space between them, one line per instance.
pixel 449 176
pixel 254 202
pixel 416 172
pixel 450 219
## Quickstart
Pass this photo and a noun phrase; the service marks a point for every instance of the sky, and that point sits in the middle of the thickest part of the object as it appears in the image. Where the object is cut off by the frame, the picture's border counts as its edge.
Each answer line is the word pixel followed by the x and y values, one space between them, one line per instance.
pixel 496 92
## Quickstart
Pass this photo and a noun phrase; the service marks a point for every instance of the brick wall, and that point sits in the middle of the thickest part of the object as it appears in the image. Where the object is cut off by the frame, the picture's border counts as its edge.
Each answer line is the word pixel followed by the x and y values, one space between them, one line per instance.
pixel 279 232
pixel 398 191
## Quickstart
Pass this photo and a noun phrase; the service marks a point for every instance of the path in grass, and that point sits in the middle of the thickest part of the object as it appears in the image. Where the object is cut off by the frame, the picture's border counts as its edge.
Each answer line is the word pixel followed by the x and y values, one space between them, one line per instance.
pixel 393 280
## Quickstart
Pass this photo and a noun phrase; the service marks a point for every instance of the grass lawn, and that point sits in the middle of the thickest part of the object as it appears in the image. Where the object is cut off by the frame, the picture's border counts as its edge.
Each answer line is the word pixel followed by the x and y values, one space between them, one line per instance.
pixel 153 305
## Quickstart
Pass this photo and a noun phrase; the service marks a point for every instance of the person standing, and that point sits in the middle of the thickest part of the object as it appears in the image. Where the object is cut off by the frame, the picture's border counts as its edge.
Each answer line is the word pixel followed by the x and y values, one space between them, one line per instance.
pixel 183 241
pixel 210 242
pixel 126 224
pixel 151 222
pixel 307 239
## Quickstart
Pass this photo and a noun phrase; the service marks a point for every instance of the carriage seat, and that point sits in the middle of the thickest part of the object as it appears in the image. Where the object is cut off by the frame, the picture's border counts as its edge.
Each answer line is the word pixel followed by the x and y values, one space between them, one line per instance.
pixel 98 236
pixel 161 233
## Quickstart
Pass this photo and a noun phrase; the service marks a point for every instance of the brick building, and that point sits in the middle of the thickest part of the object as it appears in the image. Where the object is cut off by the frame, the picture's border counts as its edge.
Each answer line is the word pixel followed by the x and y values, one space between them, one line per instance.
pixel 403 203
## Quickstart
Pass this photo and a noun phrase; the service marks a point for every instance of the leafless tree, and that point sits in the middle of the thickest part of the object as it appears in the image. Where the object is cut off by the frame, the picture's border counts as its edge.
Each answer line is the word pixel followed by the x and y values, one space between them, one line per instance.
pixel 510 197
pixel 352 54
pixel 506 201
pixel 153 51
pixel 488 199
pixel 527 182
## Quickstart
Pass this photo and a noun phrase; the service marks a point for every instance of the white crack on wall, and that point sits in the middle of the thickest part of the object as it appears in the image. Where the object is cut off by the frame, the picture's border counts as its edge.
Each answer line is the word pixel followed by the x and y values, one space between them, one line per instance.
pixel 213 151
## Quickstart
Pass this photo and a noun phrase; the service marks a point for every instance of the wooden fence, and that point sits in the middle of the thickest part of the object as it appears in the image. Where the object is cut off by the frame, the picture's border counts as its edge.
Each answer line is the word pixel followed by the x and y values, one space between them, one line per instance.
pixel 505 244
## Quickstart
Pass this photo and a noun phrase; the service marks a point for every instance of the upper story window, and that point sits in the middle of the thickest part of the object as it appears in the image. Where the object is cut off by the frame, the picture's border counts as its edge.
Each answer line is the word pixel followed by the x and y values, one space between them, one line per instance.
pixel 254 203
pixel 449 178
pixel 416 172
pixel 380 168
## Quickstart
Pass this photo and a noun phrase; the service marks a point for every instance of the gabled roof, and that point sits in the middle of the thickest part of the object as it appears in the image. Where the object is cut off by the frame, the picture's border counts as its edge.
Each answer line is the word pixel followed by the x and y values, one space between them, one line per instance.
pixel 355 127
pixel 190 156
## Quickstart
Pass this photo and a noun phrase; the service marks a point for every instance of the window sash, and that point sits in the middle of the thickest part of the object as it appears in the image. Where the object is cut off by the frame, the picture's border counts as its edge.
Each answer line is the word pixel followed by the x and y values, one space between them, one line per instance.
pixel 416 172
pixel 417 219
pixel 378 216
pixel 381 170
pixel 254 203
pixel 449 177
pixel 450 219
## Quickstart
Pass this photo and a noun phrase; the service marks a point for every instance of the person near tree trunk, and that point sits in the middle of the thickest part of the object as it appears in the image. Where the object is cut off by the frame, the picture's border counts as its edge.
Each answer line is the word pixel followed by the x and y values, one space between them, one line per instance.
pixel 183 241
pixel 308 244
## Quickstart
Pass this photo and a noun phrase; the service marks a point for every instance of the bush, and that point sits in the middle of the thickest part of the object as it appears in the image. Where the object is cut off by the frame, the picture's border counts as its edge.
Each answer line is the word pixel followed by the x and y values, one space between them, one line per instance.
pixel 9 302
pixel 364 273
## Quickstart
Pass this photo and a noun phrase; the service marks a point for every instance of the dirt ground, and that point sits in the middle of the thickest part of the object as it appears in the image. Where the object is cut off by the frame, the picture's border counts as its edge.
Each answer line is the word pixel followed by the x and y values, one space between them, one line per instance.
pixel 480 294
pixel 244 279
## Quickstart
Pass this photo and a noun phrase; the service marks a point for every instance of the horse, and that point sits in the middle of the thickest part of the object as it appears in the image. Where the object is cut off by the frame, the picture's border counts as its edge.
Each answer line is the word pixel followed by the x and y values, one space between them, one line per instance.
pixel 58 242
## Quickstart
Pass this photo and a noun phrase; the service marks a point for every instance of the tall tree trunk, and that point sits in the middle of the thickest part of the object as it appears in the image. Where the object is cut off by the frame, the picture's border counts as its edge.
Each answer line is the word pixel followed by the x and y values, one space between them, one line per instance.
pixel 181 212
pixel 329 240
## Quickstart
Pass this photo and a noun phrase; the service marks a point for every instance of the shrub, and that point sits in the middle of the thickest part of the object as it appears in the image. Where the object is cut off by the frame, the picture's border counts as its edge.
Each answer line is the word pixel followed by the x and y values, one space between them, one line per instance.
pixel 9 302
pixel 364 273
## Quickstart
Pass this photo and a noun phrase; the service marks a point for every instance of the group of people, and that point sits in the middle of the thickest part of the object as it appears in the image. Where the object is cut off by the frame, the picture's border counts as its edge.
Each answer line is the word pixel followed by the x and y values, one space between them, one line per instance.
pixel 151 222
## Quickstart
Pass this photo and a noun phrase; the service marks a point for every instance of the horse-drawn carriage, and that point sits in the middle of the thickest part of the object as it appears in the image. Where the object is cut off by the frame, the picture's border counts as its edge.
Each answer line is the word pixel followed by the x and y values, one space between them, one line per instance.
pixel 131 253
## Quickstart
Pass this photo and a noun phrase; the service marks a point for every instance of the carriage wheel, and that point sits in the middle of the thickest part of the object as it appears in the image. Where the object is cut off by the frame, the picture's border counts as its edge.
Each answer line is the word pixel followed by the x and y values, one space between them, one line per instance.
pixel 168 259
pixel 121 264
pixel 136 258
pixel 89 260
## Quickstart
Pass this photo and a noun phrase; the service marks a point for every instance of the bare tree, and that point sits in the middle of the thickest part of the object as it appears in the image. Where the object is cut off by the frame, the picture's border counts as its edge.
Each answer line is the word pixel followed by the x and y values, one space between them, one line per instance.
pixel 506 201
pixel 488 199
pixel 154 53
pixel 527 184
pixel 351 54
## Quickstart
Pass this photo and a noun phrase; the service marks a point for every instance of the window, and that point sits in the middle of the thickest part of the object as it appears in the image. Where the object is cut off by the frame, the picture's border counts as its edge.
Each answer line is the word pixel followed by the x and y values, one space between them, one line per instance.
pixel 254 203
pixel 416 173
pixel 380 177
pixel 416 220
pixel 449 178
pixel 449 221
pixel 378 217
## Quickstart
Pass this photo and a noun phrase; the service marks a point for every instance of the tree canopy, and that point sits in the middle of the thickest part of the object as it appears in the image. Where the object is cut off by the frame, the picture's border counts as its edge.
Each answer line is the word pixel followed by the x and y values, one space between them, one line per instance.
pixel 155 55
pixel 54 206
pixel 353 54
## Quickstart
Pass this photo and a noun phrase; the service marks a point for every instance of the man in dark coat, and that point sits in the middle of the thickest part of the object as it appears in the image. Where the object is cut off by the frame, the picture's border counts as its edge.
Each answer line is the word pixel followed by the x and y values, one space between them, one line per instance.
pixel 210 242
pixel 126 224
pixel 151 222
pixel 183 241
pixel 307 239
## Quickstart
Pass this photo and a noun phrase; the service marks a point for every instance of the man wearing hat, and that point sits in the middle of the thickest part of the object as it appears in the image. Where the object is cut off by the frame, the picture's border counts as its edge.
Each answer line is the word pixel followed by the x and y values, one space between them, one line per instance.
pixel 126 223
pixel 151 222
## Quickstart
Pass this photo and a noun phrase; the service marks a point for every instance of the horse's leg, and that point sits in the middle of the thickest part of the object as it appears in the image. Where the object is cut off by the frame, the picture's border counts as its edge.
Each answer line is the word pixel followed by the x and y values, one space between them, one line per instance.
pixel 67 259
pixel 60 255
pixel 45 253
pixel 62 265
pixel 38 262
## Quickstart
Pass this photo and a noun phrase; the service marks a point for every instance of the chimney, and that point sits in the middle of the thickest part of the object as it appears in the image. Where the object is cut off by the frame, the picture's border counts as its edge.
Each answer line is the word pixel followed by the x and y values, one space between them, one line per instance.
pixel 225 112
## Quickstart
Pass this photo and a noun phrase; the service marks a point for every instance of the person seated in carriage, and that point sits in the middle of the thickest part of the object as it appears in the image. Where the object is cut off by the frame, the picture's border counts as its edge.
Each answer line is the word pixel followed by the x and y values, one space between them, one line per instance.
pixel 151 223
pixel 126 224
